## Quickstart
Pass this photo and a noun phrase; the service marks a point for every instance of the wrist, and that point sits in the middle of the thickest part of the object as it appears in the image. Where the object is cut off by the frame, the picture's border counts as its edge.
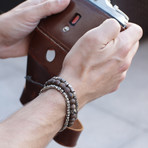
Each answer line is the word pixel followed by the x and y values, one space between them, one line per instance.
pixel 40 119
pixel 54 104
pixel 76 84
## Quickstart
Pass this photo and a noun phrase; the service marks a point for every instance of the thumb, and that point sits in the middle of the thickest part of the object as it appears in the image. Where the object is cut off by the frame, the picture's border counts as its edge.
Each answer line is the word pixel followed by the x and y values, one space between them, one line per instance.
pixel 38 9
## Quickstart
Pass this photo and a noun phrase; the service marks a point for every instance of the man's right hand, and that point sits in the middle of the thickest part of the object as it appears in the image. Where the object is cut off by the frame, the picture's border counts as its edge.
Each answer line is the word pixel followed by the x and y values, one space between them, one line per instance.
pixel 99 61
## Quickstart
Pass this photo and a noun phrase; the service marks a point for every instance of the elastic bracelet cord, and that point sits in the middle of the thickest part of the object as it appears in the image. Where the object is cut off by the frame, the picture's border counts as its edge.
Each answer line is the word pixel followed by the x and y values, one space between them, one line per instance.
pixel 70 98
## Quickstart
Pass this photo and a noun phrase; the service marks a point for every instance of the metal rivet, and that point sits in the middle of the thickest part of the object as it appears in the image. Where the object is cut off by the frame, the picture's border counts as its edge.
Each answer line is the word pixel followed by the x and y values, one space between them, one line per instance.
pixel 66 29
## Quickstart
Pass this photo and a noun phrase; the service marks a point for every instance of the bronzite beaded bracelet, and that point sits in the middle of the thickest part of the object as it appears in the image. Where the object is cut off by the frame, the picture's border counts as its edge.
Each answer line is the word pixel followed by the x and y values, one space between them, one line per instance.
pixel 70 98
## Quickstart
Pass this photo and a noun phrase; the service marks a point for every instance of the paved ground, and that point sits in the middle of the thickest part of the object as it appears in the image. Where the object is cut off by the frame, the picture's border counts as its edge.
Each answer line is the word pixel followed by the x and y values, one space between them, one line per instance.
pixel 118 120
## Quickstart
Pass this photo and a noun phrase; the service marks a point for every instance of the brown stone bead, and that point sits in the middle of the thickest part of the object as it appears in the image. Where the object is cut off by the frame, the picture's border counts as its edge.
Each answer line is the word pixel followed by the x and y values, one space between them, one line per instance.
pixel 71 95
pixel 52 81
pixel 62 85
pixel 72 101
pixel 67 90
pixel 73 106
pixel 49 82
pixel 57 82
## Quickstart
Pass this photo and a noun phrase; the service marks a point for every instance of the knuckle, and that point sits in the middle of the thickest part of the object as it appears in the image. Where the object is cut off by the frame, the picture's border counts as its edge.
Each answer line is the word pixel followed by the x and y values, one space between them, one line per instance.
pixel 113 23
pixel 87 37
pixel 124 67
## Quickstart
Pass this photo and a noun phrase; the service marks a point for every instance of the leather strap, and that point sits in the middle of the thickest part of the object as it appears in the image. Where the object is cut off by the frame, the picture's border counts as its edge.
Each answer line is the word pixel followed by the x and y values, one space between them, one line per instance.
pixel 69 136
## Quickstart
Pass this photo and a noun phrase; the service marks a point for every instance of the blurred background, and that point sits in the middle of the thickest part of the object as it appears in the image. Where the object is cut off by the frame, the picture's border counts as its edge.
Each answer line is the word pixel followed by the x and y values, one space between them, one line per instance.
pixel 117 120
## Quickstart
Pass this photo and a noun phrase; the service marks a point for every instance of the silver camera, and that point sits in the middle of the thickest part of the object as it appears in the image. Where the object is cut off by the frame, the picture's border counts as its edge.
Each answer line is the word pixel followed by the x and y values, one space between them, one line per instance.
pixel 112 11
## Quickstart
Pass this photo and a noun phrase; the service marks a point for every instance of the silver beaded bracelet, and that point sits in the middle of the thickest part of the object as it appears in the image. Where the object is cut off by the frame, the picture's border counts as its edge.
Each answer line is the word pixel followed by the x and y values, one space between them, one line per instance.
pixel 70 98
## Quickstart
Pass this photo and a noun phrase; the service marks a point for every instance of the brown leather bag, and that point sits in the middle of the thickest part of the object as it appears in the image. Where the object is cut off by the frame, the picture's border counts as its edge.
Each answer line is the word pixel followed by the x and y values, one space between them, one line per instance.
pixel 57 34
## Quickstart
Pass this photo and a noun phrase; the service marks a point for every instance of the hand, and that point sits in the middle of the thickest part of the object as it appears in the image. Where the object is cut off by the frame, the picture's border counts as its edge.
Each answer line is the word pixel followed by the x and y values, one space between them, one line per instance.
pixel 17 24
pixel 99 61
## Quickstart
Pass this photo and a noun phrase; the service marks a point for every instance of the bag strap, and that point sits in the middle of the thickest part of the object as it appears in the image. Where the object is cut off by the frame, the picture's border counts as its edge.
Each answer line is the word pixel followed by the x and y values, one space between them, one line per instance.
pixel 69 136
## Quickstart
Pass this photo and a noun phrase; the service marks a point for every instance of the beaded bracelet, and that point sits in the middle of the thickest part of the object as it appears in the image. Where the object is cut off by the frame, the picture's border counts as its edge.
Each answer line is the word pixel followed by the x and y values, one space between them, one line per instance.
pixel 70 98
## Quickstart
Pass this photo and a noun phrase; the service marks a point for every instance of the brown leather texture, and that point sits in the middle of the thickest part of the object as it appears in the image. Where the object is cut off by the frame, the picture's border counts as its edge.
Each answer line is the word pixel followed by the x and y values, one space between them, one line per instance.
pixel 91 16
pixel 69 136
pixel 49 36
